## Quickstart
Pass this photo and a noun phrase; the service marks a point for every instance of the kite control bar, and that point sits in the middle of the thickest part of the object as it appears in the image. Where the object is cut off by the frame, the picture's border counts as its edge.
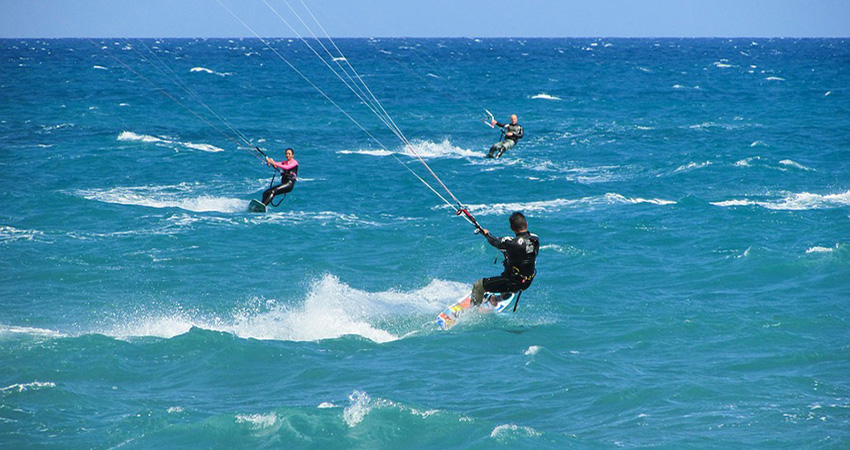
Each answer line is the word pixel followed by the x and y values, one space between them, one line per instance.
pixel 469 218
pixel 489 122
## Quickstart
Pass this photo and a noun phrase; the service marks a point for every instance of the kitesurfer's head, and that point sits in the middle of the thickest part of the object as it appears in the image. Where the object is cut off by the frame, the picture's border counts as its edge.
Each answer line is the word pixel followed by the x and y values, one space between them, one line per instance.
pixel 513 119
pixel 290 154
pixel 518 222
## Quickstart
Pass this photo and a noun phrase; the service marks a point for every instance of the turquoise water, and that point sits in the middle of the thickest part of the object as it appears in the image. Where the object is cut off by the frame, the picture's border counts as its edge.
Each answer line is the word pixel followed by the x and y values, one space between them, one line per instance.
pixel 692 199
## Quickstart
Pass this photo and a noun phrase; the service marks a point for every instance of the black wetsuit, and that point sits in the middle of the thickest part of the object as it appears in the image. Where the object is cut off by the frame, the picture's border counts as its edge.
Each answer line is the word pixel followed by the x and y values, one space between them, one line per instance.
pixel 520 258
pixel 501 147
pixel 287 182
pixel 516 129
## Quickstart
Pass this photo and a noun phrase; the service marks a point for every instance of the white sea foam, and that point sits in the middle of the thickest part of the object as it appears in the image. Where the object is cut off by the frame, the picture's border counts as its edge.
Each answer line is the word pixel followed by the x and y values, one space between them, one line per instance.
pixel 21 387
pixel 133 137
pixel 203 147
pixel 361 404
pixel 758 144
pixel 545 96
pixel 425 149
pixel 692 166
pixel 723 64
pixel 11 234
pixel 506 432
pixel 746 161
pixel 129 136
pixel 796 165
pixel 99 68
pixel 29 331
pixel 258 421
pixel 331 309
pixel 211 72
pixel 183 196
pixel 819 249
pixel 366 152
pixel 774 79
pixel 794 202
pixel 533 350
pixel 558 204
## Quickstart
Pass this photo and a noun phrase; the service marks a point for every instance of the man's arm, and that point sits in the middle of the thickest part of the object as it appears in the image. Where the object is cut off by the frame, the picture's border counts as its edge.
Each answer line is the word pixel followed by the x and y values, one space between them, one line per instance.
pixel 496 241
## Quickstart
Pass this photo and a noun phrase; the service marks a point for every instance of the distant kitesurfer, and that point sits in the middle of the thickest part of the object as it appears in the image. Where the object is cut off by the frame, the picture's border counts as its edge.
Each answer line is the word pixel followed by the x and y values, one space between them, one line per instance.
pixel 520 257
pixel 288 176
pixel 511 133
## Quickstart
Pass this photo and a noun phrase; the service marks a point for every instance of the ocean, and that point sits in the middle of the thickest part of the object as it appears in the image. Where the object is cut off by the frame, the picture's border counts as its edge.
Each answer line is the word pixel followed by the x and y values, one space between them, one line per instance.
pixel 692 199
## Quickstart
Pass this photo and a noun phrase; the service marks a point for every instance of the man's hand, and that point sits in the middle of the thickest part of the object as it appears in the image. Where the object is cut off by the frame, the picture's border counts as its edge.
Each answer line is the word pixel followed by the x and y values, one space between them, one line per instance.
pixel 493 122
pixel 485 231
pixel 509 133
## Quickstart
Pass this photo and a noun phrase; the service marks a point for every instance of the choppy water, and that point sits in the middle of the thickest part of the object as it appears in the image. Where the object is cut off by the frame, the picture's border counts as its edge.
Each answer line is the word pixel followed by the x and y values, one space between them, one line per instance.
pixel 692 198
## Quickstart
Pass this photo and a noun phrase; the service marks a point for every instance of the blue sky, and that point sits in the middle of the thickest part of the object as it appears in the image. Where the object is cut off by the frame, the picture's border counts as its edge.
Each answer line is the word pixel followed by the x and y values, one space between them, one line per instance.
pixel 431 18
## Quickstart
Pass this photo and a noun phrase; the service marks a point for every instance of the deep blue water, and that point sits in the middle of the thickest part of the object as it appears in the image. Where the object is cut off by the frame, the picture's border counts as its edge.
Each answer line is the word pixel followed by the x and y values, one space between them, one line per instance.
pixel 692 198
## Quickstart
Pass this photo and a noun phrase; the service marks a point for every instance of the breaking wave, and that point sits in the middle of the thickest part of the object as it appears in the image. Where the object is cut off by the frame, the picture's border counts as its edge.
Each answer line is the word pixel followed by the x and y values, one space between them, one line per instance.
pixel 129 136
pixel 794 202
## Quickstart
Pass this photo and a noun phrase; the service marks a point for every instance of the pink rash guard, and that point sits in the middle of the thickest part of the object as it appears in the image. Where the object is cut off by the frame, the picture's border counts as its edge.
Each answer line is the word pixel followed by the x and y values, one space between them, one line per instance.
pixel 290 168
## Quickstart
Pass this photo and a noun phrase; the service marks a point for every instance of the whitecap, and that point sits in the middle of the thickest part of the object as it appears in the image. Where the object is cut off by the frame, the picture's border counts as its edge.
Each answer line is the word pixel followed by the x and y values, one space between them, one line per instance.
pixel 202 147
pixel 511 431
pixel 545 96
pixel 819 249
pixel 29 331
pixel 129 136
pixel 361 404
pixel 692 166
pixel 133 137
pixel 532 350
pixel 425 149
pixel 794 202
pixel 32 386
pixel 546 206
pixel 746 161
pixel 774 79
pixel 99 68
pixel 796 165
pixel 11 234
pixel 258 421
pixel 212 72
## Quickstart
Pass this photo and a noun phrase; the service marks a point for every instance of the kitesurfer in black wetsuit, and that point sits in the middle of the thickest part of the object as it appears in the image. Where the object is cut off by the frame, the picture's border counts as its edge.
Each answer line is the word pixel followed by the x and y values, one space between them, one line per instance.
pixel 512 133
pixel 288 176
pixel 520 257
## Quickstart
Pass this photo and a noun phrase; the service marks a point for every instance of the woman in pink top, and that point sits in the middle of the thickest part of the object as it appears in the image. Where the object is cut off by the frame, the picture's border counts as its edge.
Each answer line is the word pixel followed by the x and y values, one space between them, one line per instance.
pixel 288 176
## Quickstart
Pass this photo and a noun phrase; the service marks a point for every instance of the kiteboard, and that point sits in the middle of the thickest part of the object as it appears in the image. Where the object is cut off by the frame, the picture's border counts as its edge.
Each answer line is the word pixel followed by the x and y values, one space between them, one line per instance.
pixel 256 206
pixel 493 303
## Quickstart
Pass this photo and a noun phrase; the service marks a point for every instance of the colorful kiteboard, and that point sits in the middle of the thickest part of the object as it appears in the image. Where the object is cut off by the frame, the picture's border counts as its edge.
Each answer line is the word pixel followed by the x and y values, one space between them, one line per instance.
pixel 493 303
